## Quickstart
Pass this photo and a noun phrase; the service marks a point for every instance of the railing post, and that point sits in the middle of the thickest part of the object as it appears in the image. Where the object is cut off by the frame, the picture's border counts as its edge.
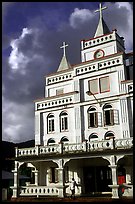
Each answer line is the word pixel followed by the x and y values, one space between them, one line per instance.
pixel 16 151
pixel 37 149
pixel 61 147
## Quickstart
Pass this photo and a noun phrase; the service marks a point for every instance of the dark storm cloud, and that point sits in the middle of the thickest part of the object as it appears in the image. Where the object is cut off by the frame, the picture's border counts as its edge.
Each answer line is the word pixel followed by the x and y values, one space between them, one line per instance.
pixel 38 54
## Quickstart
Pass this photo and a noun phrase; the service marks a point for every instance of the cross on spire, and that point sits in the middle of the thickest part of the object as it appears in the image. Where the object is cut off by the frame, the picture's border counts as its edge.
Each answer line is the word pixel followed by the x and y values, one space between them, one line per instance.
pixel 64 48
pixel 100 9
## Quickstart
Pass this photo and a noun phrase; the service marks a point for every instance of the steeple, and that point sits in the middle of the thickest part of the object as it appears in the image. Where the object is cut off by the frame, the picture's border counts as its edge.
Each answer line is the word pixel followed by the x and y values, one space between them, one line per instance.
pixel 64 64
pixel 102 28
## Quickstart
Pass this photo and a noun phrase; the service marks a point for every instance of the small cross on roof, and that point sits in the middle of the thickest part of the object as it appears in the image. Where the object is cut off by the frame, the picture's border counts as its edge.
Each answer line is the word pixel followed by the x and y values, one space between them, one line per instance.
pixel 64 48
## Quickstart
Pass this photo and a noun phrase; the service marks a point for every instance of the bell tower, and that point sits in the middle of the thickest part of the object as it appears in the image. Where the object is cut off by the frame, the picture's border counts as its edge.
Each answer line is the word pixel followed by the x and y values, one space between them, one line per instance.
pixel 103 43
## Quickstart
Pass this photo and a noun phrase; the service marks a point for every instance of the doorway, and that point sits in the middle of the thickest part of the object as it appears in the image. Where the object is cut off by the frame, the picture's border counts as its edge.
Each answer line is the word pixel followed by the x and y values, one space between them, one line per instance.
pixel 97 179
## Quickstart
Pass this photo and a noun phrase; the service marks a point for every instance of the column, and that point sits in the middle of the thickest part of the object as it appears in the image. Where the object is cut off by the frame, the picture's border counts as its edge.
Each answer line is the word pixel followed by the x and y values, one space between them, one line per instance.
pixel 114 185
pixel 61 186
pixel 36 177
pixel 16 181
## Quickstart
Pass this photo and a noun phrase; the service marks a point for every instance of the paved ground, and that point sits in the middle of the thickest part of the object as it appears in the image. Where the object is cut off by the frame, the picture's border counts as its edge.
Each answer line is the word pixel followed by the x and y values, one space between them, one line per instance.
pixel 77 199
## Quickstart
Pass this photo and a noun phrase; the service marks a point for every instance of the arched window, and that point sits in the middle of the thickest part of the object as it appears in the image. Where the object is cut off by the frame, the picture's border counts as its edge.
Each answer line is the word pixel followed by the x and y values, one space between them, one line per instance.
pixel 110 115
pixel 51 141
pixel 109 135
pixel 50 121
pixel 63 121
pixel 94 118
pixel 64 139
pixel 93 136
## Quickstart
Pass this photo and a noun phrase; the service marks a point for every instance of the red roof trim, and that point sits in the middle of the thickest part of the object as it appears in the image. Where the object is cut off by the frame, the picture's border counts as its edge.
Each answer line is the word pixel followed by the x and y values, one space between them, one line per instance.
pixel 118 53
pixel 99 36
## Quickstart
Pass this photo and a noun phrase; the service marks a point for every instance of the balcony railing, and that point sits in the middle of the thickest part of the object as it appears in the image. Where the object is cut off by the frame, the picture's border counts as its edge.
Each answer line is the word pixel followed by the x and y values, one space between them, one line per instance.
pixel 85 146
pixel 38 191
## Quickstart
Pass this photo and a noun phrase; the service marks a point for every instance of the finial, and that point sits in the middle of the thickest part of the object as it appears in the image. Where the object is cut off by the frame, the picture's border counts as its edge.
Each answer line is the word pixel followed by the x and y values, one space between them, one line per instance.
pixel 100 9
pixel 64 48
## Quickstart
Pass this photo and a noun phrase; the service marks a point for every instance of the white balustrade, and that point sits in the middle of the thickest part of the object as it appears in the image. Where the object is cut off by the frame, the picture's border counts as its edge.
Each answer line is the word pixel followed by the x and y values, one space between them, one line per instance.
pixel 124 143
pixel 38 190
pixel 76 148
pixel 27 151
pixel 49 149
pixel 100 145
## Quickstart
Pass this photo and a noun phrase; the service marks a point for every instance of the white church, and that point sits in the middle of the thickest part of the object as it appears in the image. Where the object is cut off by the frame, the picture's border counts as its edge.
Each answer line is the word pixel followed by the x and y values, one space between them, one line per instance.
pixel 84 124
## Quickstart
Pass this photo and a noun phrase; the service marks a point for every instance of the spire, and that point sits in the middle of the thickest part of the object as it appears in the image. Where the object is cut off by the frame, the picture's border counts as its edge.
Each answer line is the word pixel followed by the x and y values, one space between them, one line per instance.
pixel 64 64
pixel 102 28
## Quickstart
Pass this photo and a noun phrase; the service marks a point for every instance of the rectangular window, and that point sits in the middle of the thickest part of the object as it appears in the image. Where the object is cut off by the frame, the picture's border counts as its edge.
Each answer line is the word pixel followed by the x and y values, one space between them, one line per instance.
pixel 93 86
pixel 104 84
pixel 59 91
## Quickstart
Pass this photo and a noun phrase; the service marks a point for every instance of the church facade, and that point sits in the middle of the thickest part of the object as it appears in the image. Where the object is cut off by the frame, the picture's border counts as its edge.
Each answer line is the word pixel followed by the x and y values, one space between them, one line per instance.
pixel 84 124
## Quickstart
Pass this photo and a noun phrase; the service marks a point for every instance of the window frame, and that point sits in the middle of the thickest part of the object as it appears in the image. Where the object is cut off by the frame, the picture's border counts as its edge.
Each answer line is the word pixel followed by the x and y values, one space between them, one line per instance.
pixel 64 122
pixel 94 114
pixel 108 90
pixel 96 79
pixel 110 110
pixel 50 123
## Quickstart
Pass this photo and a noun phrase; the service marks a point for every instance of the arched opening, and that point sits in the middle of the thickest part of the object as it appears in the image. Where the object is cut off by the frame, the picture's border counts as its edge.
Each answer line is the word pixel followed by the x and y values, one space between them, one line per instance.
pixel 64 139
pixel 108 115
pixel 63 121
pixel 93 136
pixel 50 123
pixel 109 135
pixel 51 141
pixel 92 117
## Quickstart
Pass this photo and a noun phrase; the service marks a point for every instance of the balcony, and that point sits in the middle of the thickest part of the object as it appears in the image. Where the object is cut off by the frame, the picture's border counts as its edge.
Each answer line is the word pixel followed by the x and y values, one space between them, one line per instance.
pixel 84 147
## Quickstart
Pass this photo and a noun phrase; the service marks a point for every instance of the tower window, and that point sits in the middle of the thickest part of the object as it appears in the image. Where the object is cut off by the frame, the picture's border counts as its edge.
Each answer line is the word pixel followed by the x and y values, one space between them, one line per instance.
pixel 104 84
pixel 93 86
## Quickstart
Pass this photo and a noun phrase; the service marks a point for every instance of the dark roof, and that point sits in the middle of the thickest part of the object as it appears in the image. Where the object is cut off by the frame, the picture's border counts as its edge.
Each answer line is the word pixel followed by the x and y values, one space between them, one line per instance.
pixel 10 175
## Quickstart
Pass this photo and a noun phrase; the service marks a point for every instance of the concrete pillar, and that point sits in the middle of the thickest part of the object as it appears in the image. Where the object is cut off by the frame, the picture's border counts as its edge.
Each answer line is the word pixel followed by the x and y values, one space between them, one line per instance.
pixel 16 181
pixel 114 185
pixel 36 177
pixel 61 185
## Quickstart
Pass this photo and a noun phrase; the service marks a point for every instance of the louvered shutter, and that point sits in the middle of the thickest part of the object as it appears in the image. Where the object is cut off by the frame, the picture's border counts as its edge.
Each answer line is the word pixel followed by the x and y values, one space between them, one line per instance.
pixel 104 119
pixel 112 117
pixel 50 175
pixel 96 119
pixel 99 114
pixel 88 120
pixel 56 175
pixel 116 117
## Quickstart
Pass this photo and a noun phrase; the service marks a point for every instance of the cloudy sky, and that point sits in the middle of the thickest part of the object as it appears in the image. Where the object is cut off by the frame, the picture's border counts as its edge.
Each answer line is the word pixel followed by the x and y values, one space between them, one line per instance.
pixel 32 34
